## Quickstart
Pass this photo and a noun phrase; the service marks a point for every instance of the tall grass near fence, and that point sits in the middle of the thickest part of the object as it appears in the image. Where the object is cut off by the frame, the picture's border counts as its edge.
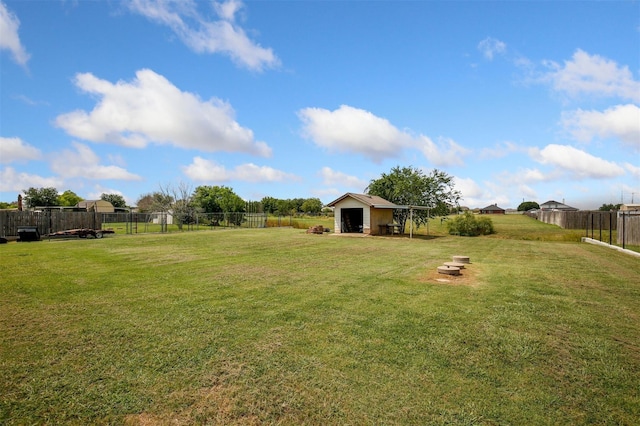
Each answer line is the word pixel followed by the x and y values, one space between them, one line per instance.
pixel 276 326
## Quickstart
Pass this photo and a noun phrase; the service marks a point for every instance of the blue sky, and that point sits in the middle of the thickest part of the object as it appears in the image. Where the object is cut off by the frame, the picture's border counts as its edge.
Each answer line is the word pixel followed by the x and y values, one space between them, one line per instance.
pixel 298 99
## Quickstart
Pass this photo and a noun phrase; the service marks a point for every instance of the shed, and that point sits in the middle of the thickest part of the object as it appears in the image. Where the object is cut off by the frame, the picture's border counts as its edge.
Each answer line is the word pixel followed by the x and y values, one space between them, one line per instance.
pixel 362 213
pixel 555 205
pixel 98 206
pixel 492 209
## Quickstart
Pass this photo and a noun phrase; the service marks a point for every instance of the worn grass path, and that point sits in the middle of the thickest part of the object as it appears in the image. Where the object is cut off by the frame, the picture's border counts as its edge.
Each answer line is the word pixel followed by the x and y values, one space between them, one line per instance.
pixel 275 326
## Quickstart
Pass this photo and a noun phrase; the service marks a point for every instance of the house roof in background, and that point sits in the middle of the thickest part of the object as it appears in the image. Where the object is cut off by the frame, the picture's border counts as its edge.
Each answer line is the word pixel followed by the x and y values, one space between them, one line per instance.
pixel 552 204
pixel 493 207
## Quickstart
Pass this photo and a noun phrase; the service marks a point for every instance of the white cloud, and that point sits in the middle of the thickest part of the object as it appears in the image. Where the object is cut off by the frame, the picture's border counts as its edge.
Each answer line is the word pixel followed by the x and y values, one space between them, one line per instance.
pixel 475 195
pixel 209 171
pixel 491 46
pixel 205 170
pixel 593 75
pixel 577 163
pixel 15 149
pixel 152 110
pixel 445 153
pixel 349 129
pixel 205 36
pixel 12 181
pixel 83 162
pixel 332 177
pixel 621 122
pixel 28 101
pixel 9 38
pixel 499 150
pixel 252 173
pixel 634 170
pixel 468 187
pixel 354 130
pixel 227 10
pixel 533 175
pixel 327 192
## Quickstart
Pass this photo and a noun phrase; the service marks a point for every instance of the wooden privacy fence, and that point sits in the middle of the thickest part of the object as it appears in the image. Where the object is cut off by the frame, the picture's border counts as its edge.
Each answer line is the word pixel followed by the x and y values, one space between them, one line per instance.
pixel 629 228
pixel 47 222
pixel 582 219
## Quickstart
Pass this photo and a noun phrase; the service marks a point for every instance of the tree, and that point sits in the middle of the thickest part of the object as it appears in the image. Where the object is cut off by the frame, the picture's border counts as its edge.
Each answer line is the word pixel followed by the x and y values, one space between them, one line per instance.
pixel 286 207
pixel 161 201
pixel 4 205
pixel 116 200
pixel 178 200
pixel 221 199
pixel 412 187
pixel 40 197
pixel 609 207
pixel 528 205
pixel 69 198
pixel 311 205
pixel 145 203
pixel 218 199
pixel 269 205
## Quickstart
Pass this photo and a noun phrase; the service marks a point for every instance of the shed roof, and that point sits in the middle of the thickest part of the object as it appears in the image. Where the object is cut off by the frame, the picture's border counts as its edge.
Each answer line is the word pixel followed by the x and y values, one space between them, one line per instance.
pixel 369 200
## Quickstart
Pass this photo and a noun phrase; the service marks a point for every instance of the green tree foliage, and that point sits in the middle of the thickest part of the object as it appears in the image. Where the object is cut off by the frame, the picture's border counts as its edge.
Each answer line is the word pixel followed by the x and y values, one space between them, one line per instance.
pixel 291 206
pixel 40 197
pixel 146 203
pixel 5 205
pixel 311 205
pixel 69 198
pixel 269 205
pixel 469 225
pixel 116 200
pixel 218 199
pixel 609 207
pixel 254 207
pixel 286 207
pixel 528 205
pixel 412 187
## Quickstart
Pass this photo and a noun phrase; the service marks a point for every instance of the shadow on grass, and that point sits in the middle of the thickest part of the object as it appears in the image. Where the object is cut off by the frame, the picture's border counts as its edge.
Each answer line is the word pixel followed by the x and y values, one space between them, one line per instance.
pixel 407 237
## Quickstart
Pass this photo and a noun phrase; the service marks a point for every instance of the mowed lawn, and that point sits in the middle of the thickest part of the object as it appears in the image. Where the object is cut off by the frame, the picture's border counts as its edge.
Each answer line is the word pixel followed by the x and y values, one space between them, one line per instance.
pixel 275 326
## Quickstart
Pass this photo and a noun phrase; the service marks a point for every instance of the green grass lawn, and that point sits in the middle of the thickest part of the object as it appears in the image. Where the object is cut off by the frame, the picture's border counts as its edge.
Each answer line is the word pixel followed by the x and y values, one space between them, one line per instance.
pixel 276 326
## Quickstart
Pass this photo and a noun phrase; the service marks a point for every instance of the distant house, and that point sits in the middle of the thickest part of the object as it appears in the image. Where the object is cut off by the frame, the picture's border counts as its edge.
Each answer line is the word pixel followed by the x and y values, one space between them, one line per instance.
pixel 97 206
pixel 362 213
pixel 552 205
pixel 630 207
pixel 492 209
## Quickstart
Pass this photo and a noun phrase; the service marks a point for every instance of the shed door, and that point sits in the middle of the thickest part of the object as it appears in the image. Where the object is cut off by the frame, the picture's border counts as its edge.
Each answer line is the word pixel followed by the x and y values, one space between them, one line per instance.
pixel 351 220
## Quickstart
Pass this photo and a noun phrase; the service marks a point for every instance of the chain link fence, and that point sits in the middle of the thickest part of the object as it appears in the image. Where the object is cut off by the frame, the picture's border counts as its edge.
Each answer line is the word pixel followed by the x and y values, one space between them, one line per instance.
pixel 139 223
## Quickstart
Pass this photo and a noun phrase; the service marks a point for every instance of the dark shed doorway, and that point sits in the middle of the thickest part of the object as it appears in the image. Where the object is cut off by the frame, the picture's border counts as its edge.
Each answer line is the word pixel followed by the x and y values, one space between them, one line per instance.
pixel 352 220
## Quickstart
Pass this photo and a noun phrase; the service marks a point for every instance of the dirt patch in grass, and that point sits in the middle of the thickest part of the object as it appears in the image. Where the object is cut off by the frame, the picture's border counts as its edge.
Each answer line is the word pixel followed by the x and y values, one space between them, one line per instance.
pixel 221 403
pixel 215 405
pixel 468 277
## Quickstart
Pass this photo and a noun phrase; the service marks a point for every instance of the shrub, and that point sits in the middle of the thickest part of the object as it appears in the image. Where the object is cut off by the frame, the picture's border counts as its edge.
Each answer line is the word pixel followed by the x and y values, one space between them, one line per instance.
pixel 470 226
